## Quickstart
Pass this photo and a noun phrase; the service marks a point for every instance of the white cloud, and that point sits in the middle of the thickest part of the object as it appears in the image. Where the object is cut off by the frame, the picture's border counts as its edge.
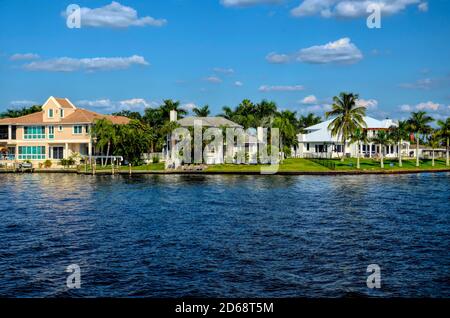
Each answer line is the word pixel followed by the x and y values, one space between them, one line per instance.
pixel 238 84
pixel 213 79
pixel 341 51
pixel 226 71
pixel 425 83
pixel 115 15
pixel 23 57
pixel 423 7
pixel 248 3
pixel 281 88
pixel 425 106
pixel 67 64
pixel 316 109
pixel 107 105
pixel 370 104
pixel 21 103
pixel 311 99
pixel 189 106
pixel 276 58
pixel 350 8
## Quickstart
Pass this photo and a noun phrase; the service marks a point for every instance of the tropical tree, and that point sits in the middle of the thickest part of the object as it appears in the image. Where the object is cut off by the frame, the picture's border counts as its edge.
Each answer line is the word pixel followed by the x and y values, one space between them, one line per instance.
pixel 14 113
pixel 133 140
pixel 382 139
pixel 418 124
pixel 285 122
pixel 348 117
pixel 129 114
pixel 434 141
pixel 398 134
pixel 104 134
pixel 444 133
pixel 359 137
pixel 307 121
pixel 202 111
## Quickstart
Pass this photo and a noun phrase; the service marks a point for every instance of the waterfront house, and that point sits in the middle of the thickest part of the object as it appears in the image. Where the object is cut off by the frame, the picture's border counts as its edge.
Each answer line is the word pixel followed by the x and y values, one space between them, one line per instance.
pixel 54 133
pixel 213 156
pixel 318 141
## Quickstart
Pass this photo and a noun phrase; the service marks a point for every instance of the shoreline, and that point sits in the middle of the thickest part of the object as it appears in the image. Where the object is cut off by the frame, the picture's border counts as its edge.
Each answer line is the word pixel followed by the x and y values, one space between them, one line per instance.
pixel 252 173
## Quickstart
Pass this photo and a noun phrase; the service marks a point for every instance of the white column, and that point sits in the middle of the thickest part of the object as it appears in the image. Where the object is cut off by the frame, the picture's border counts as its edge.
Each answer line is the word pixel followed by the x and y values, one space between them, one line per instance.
pixel 90 148
pixel 66 150
pixel 370 150
pixel 9 132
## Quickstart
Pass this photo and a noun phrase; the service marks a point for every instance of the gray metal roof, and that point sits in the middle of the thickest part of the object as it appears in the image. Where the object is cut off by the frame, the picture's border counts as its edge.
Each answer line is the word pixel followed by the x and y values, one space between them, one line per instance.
pixel 208 122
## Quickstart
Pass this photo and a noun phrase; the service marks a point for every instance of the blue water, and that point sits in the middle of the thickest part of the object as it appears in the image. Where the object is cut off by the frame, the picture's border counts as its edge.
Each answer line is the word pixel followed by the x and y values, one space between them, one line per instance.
pixel 224 236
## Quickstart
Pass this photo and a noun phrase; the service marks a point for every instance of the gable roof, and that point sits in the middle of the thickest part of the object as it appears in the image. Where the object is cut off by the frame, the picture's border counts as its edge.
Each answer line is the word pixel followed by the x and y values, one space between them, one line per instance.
pixel 208 122
pixel 64 102
pixel 79 116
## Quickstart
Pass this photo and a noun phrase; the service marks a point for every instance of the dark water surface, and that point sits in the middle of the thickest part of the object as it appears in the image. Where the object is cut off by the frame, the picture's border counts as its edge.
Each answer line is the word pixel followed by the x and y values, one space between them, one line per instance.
pixel 225 236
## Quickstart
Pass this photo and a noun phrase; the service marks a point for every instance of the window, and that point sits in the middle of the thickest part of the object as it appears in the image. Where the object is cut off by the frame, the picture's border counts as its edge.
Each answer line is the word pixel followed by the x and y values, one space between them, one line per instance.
pixel 57 152
pixel 32 152
pixel 307 147
pixel 34 132
pixel 50 113
pixel 61 113
pixel 87 129
pixel 78 129
pixel 51 132
pixel 60 128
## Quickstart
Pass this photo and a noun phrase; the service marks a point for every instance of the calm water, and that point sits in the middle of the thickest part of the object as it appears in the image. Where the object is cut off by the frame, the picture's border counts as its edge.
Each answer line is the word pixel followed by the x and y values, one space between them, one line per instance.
pixel 224 236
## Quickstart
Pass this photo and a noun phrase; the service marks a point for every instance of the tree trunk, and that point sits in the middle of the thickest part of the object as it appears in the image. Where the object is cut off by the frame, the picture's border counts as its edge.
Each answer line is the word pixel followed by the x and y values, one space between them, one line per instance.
pixel 343 150
pixel 382 156
pixel 358 154
pixel 432 163
pixel 417 153
pixel 107 153
pixel 400 163
pixel 447 162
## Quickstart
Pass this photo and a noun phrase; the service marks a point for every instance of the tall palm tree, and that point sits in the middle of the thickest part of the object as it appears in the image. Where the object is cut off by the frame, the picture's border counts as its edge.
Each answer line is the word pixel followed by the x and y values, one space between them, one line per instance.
pixel 418 124
pixel 105 134
pixel 202 111
pixel 382 139
pixel 398 134
pixel 359 136
pixel 434 141
pixel 444 133
pixel 169 105
pixel 348 117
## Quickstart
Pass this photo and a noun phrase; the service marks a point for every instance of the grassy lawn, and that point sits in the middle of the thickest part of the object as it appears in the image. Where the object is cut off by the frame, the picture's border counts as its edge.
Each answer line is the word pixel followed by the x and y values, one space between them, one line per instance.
pixel 348 165
pixel 295 165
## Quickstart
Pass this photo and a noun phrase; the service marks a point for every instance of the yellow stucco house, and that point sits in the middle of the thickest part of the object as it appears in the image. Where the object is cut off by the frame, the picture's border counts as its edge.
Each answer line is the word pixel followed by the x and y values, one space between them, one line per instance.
pixel 56 132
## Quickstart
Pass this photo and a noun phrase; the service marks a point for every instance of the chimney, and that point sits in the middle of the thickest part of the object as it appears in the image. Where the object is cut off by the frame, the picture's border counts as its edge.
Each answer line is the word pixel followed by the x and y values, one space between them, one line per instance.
pixel 173 115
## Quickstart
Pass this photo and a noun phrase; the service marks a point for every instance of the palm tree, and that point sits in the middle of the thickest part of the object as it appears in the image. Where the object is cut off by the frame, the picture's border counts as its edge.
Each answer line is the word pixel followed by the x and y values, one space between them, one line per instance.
pixel 105 134
pixel 418 124
pixel 434 142
pixel 382 139
pixel 348 117
pixel 308 121
pixel 285 122
pixel 202 111
pixel 398 134
pixel 169 105
pixel 359 136
pixel 444 133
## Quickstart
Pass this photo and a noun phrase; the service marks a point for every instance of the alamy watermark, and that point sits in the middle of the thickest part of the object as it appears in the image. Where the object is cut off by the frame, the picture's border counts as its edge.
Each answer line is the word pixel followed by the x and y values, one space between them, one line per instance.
pixel 73 13
pixel 74 279
pixel 228 145
pixel 374 279
pixel 374 19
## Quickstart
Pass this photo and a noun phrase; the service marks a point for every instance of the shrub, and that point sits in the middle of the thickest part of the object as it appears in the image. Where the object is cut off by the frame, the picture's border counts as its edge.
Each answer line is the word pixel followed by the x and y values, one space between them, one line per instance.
pixel 47 163
pixel 155 159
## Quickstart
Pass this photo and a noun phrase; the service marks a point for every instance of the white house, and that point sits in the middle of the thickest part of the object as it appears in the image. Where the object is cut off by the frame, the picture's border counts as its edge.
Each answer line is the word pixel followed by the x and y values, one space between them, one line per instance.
pixel 318 141
pixel 214 156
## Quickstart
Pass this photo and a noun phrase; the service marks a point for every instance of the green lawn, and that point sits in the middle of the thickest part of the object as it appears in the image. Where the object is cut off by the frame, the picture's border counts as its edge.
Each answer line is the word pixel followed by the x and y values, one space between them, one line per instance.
pixel 299 165
pixel 293 165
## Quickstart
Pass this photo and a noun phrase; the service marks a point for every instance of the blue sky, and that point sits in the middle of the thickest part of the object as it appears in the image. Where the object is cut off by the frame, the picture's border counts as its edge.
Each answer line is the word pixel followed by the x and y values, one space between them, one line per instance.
pixel 219 52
